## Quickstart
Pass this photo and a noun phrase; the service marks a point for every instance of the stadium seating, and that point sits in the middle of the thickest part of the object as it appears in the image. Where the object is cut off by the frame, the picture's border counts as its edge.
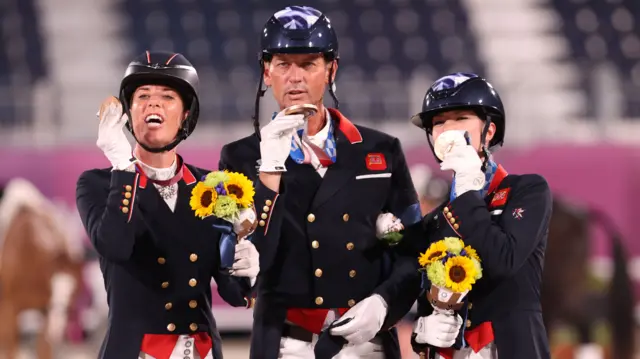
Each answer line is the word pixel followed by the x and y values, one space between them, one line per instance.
pixel 605 31
pixel 381 47
pixel 21 59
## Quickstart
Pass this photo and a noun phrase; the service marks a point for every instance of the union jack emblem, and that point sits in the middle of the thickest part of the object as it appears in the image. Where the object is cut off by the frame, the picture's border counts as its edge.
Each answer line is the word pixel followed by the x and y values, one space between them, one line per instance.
pixel 517 213
pixel 452 81
pixel 298 17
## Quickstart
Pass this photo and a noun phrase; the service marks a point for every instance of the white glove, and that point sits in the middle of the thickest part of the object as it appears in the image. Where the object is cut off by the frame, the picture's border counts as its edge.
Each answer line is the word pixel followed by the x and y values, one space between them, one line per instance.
pixel 437 329
pixel 387 223
pixel 246 214
pixel 275 145
pixel 463 159
pixel 367 319
pixel 246 261
pixel 111 137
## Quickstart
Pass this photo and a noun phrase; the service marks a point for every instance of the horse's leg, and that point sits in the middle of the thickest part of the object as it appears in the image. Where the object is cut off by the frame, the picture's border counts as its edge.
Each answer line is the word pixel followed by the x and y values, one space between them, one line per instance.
pixel 9 330
pixel 63 287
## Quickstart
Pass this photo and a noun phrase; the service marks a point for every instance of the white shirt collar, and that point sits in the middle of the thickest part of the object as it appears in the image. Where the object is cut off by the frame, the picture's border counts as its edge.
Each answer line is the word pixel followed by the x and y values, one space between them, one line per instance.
pixel 319 138
pixel 160 174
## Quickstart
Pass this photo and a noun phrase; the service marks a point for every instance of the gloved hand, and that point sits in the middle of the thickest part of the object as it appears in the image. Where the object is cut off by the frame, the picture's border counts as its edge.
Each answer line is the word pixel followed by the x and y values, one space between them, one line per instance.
pixel 363 321
pixel 246 261
pixel 464 160
pixel 275 145
pixel 438 329
pixel 387 223
pixel 111 137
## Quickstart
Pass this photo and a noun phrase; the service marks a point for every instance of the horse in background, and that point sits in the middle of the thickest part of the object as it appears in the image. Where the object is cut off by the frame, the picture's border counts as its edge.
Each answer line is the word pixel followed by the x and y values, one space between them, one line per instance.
pixel 40 267
pixel 567 294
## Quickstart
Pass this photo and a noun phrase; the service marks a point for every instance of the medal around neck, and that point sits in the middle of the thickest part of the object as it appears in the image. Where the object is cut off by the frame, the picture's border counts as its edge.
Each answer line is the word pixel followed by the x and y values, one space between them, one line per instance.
pixel 448 140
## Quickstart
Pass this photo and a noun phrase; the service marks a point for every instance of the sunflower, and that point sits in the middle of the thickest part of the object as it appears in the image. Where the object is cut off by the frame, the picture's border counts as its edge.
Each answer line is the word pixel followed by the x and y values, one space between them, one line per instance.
pixel 471 253
pixel 460 274
pixel 436 251
pixel 203 199
pixel 240 189
pixel 454 244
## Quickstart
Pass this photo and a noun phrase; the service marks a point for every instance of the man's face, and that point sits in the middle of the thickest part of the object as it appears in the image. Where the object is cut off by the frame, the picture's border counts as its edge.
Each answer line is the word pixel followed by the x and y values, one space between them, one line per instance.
pixel 298 78
pixel 157 113
pixel 465 120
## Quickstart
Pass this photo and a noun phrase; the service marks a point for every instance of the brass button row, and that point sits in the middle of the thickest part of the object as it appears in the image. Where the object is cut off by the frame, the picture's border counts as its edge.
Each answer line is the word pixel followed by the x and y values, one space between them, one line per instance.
pixel 125 201
pixel 265 214
pixel 318 273
pixel 312 217
pixel 172 327
pixel 320 300
pixel 193 304
pixel 450 218
pixel 192 283
pixel 193 258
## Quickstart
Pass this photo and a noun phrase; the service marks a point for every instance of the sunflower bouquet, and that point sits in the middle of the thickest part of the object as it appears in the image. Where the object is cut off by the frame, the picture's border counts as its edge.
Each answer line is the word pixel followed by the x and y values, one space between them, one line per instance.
pixel 452 268
pixel 225 195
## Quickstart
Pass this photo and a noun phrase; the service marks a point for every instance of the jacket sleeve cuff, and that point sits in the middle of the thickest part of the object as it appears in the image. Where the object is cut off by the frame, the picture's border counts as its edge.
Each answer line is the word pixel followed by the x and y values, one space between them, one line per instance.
pixel 122 198
pixel 265 201
pixel 466 212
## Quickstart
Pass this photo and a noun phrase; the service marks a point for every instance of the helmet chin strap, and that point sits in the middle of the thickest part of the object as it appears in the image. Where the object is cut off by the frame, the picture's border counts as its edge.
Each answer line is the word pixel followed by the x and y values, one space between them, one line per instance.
pixel 180 136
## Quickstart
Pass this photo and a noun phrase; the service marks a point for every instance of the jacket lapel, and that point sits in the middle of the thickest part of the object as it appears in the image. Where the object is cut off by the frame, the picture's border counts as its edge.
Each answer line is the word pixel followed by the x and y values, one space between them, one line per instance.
pixel 339 173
